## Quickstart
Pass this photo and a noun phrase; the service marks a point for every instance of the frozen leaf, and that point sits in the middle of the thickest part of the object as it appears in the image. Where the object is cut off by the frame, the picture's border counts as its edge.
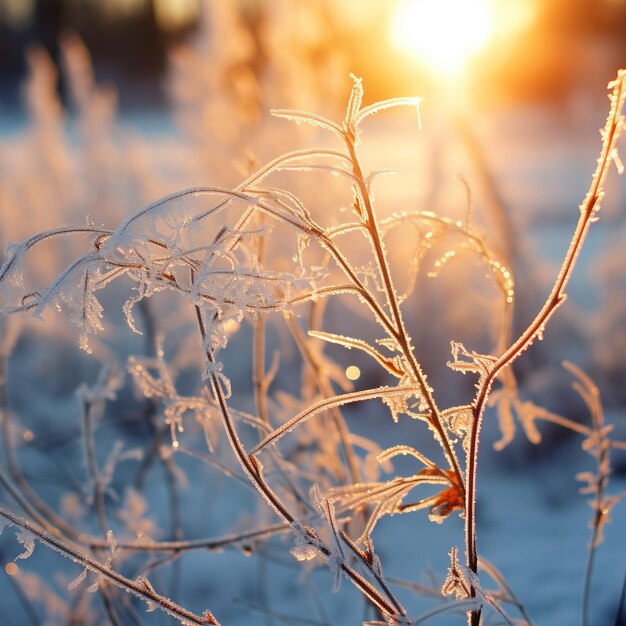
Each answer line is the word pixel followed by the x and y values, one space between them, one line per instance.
pixel 335 559
pixel 459 420
pixel 445 502
pixel 214 371
pixel 113 547
pixel 354 102
pixel 308 118
pixel 27 539
pixel 455 582
pixel 403 450
pixel 390 365
pixel 465 361
pixel 383 393
pixel 75 288
pixel 387 497
pixel 408 396
pixel 78 580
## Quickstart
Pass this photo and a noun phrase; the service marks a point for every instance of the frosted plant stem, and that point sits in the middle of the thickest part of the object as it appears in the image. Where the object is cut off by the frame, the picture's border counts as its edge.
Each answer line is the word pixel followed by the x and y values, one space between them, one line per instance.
pixel 151 347
pixel 26 506
pixel 27 495
pixel 360 288
pixel 535 330
pixel 400 333
pixel 600 450
pixel 88 408
pixel 259 378
pixel 92 465
pixel 140 588
pixel 621 605
pixel 565 422
pixel 252 468
pixel 145 546
pixel 599 513
pixel 29 500
pixel 219 543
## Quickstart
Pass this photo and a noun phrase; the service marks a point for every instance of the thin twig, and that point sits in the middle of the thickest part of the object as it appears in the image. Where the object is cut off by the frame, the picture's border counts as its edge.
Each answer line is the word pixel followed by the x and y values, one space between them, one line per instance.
pixel 536 328
pixel 140 589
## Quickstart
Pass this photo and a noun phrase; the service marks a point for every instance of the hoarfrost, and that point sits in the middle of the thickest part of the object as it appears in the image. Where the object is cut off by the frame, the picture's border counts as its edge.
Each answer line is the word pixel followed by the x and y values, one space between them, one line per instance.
pixel 304 549
pixel 27 539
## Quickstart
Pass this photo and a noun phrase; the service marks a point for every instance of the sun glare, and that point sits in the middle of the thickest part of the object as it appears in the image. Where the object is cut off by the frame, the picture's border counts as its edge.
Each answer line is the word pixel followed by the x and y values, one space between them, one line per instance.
pixel 442 34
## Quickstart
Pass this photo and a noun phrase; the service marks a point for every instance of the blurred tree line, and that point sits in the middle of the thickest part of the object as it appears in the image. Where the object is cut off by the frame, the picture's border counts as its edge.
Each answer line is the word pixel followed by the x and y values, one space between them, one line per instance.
pixel 129 41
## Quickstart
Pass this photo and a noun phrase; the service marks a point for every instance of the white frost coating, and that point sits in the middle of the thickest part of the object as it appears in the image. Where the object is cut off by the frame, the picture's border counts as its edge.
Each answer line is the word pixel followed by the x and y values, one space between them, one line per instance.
pixel 214 370
pixel 336 401
pixel 113 545
pixel 335 563
pixel 304 550
pixel 145 592
pixel 27 539
pixel 11 273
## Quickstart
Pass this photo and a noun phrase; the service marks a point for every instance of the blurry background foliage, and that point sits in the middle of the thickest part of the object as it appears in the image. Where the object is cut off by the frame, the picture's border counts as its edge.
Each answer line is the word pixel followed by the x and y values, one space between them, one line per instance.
pixel 561 48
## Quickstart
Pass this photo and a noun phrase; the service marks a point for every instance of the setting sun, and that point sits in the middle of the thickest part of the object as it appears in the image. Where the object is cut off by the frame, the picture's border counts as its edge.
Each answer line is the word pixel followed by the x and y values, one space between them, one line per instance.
pixel 442 34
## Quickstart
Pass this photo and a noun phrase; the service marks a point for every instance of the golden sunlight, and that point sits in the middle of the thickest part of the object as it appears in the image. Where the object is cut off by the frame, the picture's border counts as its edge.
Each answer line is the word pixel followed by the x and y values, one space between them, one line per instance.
pixel 445 34
pixel 442 34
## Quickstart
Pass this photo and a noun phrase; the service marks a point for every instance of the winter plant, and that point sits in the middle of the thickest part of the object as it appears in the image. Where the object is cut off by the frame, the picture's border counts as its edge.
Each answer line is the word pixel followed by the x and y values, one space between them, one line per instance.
pixel 265 259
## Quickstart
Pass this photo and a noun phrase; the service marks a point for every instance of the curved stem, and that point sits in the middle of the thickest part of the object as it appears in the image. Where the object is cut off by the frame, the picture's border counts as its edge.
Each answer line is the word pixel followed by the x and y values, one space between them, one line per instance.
pixel 535 330
pixel 253 469
pixel 399 331
pixel 141 589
